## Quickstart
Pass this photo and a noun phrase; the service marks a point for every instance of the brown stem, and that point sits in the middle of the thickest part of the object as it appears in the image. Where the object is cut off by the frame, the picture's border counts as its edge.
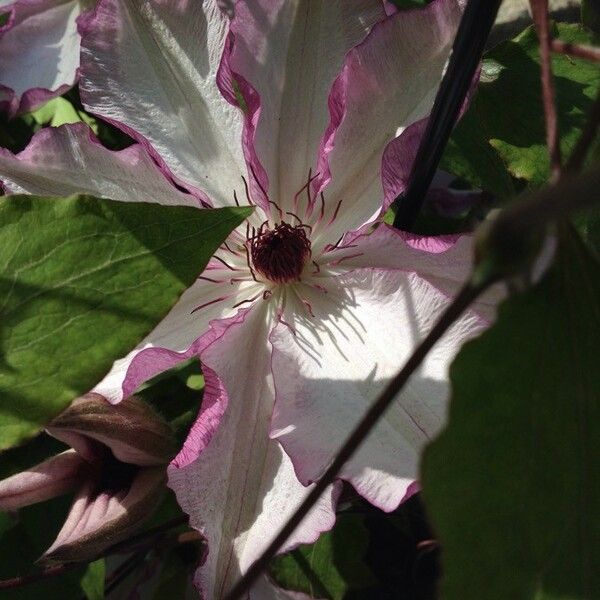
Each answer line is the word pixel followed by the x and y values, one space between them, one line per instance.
pixel 539 9
pixel 464 298
pixel 47 573
pixel 590 130
pixel 577 50
pixel 122 572
pixel 144 538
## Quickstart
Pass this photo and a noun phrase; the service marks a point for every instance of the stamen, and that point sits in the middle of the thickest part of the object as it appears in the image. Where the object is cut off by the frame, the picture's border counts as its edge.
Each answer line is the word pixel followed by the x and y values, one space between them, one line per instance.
pixel 209 303
pixel 222 261
pixel 305 302
pixel 318 287
pixel 247 190
pixel 280 253
pixel 237 202
pixel 267 294
pixel 294 215
pixel 284 322
pixel 337 262
pixel 308 307
pixel 229 249
pixel 318 269
pixel 247 300
pixel 335 214
pixel 249 262
pixel 330 247
pixel 238 280
pixel 211 280
pixel 277 207
pixel 262 189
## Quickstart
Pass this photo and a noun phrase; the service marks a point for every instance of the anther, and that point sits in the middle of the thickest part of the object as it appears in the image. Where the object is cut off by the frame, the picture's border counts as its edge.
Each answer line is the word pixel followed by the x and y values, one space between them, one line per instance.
pixel 280 253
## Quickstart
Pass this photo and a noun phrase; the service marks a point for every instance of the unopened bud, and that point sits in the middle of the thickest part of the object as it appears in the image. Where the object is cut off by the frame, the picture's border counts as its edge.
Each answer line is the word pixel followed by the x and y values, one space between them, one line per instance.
pixel 131 429
pixel 98 519
pixel 54 477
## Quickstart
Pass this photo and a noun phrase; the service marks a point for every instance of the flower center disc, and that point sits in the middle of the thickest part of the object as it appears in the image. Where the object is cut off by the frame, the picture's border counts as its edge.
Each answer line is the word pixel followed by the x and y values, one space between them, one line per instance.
pixel 280 253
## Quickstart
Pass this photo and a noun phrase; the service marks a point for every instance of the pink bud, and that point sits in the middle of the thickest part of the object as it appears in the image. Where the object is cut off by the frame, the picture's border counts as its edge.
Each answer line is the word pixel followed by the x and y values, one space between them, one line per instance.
pixel 132 430
pixel 55 476
pixel 100 519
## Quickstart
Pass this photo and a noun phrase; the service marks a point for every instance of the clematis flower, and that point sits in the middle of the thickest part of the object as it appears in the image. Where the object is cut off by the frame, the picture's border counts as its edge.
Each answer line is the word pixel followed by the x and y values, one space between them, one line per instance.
pixel 311 112
pixel 116 464
pixel 39 51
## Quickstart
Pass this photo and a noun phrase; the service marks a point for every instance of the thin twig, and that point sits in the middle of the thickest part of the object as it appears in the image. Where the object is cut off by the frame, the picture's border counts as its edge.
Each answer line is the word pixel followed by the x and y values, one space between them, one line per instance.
pixel 47 573
pixel 590 130
pixel 146 537
pixel 577 50
pixel 464 298
pixel 539 10
pixel 122 572
pixel 473 31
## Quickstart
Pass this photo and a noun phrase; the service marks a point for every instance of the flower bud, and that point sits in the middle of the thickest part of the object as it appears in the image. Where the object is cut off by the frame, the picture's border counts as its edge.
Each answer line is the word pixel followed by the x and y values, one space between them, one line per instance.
pixel 100 518
pixel 132 430
pixel 56 476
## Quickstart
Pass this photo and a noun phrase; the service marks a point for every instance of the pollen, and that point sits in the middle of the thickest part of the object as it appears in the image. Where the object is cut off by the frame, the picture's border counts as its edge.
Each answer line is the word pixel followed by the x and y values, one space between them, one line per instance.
pixel 279 254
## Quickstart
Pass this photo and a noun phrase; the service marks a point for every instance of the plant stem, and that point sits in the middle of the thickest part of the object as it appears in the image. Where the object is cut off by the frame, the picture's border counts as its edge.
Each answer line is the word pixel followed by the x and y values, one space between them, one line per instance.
pixel 126 546
pixel 465 297
pixel 120 574
pixel 129 544
pixel 577 50
pixel 47 573
pixel 539 9
pixel 473 31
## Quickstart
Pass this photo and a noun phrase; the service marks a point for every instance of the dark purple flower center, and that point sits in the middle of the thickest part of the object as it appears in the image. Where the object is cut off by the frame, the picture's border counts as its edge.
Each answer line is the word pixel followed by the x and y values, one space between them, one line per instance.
pixel 280 253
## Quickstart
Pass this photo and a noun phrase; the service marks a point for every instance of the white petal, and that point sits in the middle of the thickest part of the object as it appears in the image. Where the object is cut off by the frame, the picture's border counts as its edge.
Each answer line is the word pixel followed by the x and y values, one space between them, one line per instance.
pixel 330 372
pixel 290 52
pixel 242 487
pixel 179 335
pixel 445 261
pixel 153 66
pixel 388 83
pixel 40 52
pixel 70 160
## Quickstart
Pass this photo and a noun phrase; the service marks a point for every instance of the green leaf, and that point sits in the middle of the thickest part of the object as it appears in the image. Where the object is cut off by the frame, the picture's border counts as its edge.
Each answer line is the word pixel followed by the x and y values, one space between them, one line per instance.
pixel 92 582
pixel 59 111
pixel 512 484
pixel 82 281
pixel 501 139
pixel 332 566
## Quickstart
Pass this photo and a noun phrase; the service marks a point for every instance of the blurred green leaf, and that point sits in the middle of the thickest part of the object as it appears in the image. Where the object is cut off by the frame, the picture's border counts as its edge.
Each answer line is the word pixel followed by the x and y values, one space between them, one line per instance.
pixel 59 111
pixel 176 395
pixel 330 568
pixel 511 485
pixel 92 582
pixel 83 280
pixel 499 145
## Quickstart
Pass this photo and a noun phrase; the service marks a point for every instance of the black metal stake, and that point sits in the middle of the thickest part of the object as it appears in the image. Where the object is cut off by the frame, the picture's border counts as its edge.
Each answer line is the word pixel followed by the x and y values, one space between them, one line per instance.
pixel 473 32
